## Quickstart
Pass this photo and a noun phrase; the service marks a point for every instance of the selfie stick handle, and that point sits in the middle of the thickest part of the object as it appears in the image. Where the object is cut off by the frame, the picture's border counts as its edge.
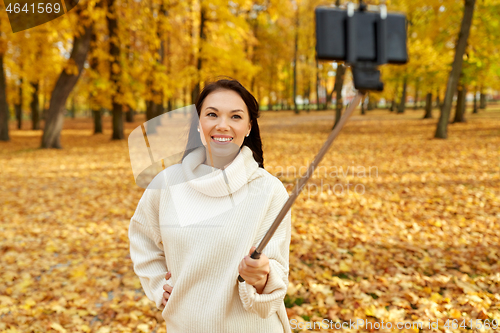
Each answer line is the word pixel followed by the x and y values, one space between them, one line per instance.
pixel 310 170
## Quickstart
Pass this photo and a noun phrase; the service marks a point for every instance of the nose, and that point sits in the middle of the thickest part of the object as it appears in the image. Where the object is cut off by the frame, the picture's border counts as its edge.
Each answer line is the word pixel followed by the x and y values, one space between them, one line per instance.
pixel 222 124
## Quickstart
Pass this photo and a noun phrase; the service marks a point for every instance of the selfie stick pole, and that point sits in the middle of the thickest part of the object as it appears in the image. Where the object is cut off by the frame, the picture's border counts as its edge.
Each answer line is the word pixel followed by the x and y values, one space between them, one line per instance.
pixel 310 170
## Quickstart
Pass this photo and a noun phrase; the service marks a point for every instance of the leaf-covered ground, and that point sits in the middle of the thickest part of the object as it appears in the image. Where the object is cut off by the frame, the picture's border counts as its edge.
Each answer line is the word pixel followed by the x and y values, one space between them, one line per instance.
pixel 395 226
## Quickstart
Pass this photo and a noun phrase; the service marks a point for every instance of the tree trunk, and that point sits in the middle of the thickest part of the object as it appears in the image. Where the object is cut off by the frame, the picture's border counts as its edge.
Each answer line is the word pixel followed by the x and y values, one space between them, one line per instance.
pixel 288 90
pixel 482 101
pixel 428 106
pixel 168 67
pixel 149 110
pixel 402 104
pixel 42 106
pixel 318 83
pixel 475 101
pixel 114 52
pixel 308 93
pixel 97 115
pixel 363 106
pixel 186 96
pixel 295 59
pixel 415 104
pixel 19 107
pixel 51 137
pixel 129 116
pixel 438 102
pixel 369 104
pixel 269 98
pixel 158 107
pixel 328 97
pixel 117 122
pixel 4 107
pixel 95 109
pixel 451 87
pixel 150 114
pixel 339 84
pixel 395 98
pixel 196 90
pixel 460 109
pixel 35 108
pixel 73 107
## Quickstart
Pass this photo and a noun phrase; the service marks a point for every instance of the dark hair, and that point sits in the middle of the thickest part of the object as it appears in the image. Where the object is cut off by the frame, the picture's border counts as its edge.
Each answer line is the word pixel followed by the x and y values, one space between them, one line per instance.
pixel 253 141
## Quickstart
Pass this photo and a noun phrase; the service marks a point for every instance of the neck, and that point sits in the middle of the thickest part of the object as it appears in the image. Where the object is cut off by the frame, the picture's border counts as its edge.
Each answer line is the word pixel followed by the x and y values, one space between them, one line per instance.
pixel 219 162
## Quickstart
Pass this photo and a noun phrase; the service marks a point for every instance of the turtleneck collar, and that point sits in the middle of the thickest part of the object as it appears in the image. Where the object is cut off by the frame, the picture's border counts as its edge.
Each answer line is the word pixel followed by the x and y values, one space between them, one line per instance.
pixel 215 182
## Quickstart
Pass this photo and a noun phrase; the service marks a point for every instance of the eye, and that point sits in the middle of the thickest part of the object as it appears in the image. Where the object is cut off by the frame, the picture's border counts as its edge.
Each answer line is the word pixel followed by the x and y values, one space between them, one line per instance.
pixel 237 116
pixel 209 114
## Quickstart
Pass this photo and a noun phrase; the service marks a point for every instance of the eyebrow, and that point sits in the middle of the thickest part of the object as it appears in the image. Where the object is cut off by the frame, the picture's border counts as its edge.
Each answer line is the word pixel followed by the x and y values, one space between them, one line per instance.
pixel 211 107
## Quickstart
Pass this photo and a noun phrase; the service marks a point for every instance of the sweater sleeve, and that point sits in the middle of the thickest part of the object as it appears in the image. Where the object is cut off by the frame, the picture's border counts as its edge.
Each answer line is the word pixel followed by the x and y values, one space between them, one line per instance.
pixel 146 250
pixel 277 250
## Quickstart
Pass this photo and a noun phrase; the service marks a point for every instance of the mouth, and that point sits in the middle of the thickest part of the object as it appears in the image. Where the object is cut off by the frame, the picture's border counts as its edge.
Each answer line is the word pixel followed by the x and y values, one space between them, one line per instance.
pixel 222 140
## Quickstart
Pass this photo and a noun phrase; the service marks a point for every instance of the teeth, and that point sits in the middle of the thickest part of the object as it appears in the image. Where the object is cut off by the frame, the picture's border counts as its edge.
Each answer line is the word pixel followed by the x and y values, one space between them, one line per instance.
pixel 222 139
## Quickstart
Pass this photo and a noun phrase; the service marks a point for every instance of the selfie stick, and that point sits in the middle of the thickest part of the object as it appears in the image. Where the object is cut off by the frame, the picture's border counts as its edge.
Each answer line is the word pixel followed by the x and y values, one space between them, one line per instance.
pixel 298 188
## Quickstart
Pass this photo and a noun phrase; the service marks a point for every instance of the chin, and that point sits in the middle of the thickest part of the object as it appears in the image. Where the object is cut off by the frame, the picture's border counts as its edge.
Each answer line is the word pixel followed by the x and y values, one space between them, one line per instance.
pixel 224 150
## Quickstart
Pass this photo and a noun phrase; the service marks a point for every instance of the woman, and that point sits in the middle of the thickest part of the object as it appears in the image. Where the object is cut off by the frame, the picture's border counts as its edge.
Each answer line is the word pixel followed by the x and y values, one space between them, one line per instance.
pixel 211 213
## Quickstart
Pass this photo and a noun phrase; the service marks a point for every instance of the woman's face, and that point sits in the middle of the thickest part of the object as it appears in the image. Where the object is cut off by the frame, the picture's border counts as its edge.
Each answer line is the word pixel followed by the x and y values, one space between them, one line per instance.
pixel 224 119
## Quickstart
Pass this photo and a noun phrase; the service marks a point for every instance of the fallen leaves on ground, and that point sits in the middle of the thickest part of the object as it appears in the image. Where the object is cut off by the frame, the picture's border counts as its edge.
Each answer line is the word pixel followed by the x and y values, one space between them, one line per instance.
pixel 395 226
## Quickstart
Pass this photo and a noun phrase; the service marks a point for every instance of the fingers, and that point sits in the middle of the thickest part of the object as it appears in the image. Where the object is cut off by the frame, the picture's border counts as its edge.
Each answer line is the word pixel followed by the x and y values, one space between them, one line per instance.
pixel 244 272
pixel 168 289
pixel 166 295
pixel 166 286
pixel 254 270
pixel 256 263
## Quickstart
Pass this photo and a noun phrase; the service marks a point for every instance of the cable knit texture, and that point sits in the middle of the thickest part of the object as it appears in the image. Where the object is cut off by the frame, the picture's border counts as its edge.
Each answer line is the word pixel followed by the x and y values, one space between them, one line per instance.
pixel 198 222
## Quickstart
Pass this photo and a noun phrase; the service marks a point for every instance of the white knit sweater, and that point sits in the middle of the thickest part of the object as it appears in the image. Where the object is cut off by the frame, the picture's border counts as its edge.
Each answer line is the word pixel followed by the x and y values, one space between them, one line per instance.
pixel 198 222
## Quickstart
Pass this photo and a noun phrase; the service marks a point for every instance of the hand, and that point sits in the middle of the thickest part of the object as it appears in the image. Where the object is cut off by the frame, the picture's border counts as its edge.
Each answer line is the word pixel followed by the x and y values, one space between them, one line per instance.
pixel 255 271
pixel 167 288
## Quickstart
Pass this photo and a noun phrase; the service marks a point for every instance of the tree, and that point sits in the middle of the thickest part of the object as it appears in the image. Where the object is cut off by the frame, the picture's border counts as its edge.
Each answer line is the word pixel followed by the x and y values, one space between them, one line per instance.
pixel 295 58
pixel 415 101
pixel 482 100
pixel 35 107
pixel 65 84
pixel 428 106
pixel 339 84
pixel 4 107
pixel 201 42
pixel 442 126
pixel 19 105
pixel 474 105
pixel 115 71
pixel 402 103
pixel 95 107
pixel 318 85
pixel 460 109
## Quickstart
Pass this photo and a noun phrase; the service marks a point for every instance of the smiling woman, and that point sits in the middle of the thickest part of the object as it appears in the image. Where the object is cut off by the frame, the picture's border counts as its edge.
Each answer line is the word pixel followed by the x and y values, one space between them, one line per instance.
pixel 223 126
pixel 190 240
pixel 227 110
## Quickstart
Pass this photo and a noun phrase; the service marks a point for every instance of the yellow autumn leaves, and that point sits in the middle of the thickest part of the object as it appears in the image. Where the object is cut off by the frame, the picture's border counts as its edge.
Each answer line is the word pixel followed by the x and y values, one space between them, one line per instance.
pixel 419 245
